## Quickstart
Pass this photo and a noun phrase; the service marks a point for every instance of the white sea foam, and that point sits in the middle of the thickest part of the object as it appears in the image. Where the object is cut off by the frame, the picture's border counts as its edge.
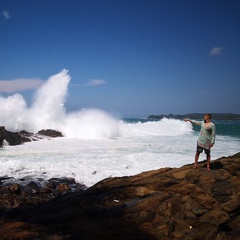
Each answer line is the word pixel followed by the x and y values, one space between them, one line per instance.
pixel 96 145
pixel 91 160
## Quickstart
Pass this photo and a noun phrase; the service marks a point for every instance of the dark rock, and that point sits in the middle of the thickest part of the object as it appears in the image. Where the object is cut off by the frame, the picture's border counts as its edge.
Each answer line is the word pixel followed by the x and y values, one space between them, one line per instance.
pixel 26 136
pixel 45 190
pixel 16 198
pixel 13 138
pixel 4 178
pixel 26 133
pixel 63 188
pixel 50 133
pixel 169 203
pixel 32 188
pixel 15 188
pixel 2 134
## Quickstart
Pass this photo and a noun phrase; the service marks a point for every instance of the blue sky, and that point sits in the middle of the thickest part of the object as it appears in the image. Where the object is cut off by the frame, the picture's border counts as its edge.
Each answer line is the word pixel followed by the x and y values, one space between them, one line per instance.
pixel 129 57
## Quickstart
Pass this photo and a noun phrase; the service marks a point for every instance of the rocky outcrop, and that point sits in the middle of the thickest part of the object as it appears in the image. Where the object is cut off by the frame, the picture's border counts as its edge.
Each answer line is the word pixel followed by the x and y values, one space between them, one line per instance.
pixel 42 134
pixel 50 133
pixel 169 203
pixel 13 138
pixel 17 138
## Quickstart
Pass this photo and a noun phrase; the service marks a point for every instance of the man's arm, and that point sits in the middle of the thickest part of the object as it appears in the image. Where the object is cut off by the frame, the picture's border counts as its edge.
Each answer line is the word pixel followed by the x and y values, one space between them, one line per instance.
pixel 192 121
pixel 213 134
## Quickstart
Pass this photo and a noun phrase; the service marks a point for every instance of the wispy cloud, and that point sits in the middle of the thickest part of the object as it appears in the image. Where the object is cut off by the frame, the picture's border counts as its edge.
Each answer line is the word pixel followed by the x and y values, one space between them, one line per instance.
pixel 19 85
pixel 91 83
pixel 95 82
pixel 6 14
pixel 216 51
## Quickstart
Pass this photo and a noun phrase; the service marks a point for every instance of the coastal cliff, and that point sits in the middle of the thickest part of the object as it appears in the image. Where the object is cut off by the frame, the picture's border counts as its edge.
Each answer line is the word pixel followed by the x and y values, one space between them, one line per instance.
pixel 169 203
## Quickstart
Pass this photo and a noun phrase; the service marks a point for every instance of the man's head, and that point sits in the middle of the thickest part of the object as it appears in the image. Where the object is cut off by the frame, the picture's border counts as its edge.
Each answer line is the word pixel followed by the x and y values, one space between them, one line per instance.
pixel 207 117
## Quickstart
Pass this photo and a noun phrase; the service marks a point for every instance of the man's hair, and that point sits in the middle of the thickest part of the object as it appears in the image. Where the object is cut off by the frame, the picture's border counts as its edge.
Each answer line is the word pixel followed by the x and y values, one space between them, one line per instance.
pixel 208 115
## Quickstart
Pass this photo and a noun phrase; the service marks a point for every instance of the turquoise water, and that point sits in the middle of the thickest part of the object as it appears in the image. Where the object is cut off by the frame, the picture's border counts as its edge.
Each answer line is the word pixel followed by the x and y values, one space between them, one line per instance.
pixel 228 128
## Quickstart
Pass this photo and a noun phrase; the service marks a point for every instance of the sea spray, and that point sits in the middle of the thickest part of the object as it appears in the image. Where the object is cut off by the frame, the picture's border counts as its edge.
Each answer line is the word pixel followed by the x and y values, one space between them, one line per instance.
pixel 13 112
pixel 48 112
pixel 91 124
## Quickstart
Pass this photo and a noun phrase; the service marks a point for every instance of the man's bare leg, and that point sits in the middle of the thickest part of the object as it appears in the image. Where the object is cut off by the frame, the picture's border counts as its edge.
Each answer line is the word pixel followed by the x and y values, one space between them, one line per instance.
pixel 196 159
pixel 208 162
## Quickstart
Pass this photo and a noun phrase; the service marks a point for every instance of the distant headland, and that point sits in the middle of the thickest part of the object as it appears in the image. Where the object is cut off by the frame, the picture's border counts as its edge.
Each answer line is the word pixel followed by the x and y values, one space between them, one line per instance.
pixel 215 116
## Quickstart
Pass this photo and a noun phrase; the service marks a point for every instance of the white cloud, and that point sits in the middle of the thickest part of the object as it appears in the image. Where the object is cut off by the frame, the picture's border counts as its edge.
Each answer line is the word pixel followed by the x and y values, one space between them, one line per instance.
pixel 216 51
pixel 6 14
pixel 19 85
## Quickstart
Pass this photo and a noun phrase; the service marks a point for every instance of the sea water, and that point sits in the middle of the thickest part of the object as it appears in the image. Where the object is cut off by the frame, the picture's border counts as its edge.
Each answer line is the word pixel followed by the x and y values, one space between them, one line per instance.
pixel 97 145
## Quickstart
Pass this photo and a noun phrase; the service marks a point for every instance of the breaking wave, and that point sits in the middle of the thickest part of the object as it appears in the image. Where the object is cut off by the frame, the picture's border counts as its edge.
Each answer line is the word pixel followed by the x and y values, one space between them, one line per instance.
pixel 48 112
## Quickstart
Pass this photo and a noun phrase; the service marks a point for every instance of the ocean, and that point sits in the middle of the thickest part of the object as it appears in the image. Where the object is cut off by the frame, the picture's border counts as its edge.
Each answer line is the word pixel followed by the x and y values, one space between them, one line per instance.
pixel 96 144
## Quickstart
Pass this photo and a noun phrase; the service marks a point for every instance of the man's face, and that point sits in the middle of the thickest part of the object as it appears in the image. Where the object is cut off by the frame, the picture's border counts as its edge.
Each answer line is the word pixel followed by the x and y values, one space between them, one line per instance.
pixel 206 119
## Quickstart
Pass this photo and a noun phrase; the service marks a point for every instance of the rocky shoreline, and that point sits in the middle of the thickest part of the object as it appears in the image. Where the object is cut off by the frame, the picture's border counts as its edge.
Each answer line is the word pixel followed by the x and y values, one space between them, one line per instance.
pixel 169 203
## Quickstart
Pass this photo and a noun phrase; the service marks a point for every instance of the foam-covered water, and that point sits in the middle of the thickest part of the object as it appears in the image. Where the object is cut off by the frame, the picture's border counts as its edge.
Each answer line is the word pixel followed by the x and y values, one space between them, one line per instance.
pixel 96 145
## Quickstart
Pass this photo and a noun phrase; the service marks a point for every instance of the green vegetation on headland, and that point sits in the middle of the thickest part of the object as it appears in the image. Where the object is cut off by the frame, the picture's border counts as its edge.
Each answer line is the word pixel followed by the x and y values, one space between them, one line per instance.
pixel 215 116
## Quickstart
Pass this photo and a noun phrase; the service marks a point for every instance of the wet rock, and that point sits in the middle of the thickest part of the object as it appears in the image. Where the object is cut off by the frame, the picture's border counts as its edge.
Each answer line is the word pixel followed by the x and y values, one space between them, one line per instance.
pixel 32 188
pixel 50 133
pixel 15 138
pixel 15 188
pixel 4 178
pixel 12 138
pixel 26 136
pixel 16 197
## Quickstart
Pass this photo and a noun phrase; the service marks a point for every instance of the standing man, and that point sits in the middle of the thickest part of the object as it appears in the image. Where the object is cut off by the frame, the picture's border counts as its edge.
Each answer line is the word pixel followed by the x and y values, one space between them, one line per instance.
pixel 206 138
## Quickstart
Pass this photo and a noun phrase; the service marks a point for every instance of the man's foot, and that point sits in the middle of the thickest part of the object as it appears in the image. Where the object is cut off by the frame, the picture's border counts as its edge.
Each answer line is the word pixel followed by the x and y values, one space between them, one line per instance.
pixel 208 168
pixel 195 167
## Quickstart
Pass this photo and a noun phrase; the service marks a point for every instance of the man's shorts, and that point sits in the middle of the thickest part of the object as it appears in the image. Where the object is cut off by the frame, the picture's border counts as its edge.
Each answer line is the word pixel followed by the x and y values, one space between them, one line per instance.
pixel 200 150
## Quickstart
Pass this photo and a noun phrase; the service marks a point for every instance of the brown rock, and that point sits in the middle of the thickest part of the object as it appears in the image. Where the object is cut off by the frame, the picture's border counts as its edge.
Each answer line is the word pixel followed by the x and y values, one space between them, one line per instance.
pixel 15 188
pixel 178 203
pixel 233 204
